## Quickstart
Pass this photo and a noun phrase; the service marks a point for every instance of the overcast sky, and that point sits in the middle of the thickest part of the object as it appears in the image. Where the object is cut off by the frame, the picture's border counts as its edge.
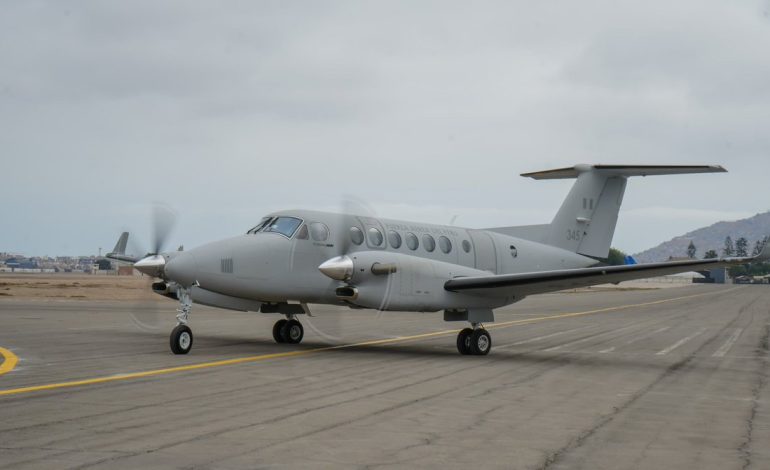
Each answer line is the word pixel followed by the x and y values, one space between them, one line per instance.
pixel 425 109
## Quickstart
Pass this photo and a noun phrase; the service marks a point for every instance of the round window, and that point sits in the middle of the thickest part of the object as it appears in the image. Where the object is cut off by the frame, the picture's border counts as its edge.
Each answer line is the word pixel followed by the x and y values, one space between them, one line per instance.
pixel 429 243
pixel 394 239
pixel 375 236
pixel 444 244
pixel 411 241
pixel 319 231
pixel 466 246
pixel 356 235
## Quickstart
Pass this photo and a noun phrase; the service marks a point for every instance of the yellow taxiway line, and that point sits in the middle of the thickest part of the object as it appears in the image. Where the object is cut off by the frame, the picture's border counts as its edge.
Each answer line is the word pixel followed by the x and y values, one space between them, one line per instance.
pixel 10 358
pixel 9 361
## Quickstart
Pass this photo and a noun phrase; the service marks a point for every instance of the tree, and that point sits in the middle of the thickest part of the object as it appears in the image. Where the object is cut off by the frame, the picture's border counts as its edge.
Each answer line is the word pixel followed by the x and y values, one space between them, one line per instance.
pixel 711 254
pixel 742 247
pixel 616 257
pixel 729 249
pixel 691 250
pixel 758 246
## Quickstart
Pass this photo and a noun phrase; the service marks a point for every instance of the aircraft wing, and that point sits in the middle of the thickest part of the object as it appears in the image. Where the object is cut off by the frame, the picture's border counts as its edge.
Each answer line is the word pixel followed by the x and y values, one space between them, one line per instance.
pixel 523 284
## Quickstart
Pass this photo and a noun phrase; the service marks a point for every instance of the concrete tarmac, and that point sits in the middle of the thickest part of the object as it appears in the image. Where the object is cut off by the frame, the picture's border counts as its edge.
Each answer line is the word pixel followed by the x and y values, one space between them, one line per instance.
pixel 672 378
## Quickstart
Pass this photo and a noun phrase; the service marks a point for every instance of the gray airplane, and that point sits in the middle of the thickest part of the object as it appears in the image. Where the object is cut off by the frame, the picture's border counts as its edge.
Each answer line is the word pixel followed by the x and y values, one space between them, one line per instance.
pixel 296 257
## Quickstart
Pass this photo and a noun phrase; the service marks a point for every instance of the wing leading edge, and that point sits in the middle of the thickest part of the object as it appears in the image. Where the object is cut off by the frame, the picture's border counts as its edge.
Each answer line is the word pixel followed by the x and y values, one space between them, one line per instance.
pixel 524 284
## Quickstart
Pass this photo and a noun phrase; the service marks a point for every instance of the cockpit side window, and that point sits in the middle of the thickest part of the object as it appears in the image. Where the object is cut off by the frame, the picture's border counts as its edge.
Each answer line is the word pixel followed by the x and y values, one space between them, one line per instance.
pixel 286 226
pixel 262 224
pixel 303 233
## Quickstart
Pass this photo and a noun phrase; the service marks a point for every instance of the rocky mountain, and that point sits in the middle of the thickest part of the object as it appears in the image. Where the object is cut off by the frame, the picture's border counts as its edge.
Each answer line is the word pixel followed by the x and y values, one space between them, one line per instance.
pixel 710 238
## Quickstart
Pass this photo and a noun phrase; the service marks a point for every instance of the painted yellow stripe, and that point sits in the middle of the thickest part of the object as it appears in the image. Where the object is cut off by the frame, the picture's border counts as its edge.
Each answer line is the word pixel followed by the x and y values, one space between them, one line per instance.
pixel 9 361
pixel 305 352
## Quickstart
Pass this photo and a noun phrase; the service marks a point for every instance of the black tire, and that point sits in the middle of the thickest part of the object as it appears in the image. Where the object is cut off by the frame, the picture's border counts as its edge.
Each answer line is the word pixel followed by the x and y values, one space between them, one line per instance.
pixel 181 339
pixel 481 342
pixel 464 341
pixel 277 331
pixel 292 332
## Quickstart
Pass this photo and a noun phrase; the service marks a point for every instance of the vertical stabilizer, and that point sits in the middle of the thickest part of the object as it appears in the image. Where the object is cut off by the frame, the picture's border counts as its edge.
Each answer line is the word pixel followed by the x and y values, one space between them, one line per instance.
pixel 585 223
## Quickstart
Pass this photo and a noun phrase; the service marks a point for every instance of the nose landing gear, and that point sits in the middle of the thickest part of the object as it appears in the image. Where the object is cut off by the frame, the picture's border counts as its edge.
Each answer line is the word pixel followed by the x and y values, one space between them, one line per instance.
pixel 181 339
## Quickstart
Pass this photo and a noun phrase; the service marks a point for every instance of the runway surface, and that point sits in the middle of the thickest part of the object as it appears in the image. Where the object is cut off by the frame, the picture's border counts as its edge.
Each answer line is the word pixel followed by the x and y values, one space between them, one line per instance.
pixel 671 378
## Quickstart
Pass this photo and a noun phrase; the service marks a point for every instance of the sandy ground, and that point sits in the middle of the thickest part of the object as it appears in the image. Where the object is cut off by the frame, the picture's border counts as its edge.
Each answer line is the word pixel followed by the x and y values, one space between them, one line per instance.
pixel 75 286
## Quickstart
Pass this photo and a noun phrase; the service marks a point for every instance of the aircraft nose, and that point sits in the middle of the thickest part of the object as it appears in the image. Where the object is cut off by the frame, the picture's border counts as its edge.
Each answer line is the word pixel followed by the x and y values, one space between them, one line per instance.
pixel 182 269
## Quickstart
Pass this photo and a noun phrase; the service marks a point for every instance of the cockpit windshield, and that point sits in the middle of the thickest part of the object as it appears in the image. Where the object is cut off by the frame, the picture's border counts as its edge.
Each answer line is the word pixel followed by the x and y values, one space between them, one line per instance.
pixel 286 226
pixel 261 225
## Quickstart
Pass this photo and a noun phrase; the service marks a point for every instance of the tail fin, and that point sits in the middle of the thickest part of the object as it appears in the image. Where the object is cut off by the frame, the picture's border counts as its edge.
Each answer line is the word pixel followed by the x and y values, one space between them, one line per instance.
pixel 586 220
pixel 120 246
pixel 119 252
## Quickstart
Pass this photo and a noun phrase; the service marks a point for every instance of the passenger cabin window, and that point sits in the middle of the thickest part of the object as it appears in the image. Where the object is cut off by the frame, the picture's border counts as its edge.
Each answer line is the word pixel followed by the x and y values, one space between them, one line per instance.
pixel 411 241
pixel 466 246
pixel 356 235
pixel 444 244
pixel 319 231
pixel 302 234
pixel 394 239
pixel 286 226
pixel 375 236
pixel 429 243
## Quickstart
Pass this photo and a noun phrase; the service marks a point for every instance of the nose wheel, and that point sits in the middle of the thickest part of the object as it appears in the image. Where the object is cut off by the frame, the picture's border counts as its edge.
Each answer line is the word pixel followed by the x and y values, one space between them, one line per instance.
pixel 288 331
pixel 475 341
pixel 181 339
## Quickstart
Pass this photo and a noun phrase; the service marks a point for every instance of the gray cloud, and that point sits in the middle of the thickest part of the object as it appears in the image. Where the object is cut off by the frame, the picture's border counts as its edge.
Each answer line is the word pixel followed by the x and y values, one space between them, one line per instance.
pixel 228 110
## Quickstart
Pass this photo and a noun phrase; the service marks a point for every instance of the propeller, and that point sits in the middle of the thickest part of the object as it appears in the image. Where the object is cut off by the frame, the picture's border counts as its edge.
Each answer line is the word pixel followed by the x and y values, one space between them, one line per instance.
pixel 163 221
pixel 329 327
pixel 144 315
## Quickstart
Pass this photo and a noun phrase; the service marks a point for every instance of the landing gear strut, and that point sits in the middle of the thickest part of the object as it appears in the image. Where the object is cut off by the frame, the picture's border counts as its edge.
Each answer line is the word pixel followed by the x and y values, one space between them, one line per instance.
pixel 289 331
pixel 476 341
pixel 181 339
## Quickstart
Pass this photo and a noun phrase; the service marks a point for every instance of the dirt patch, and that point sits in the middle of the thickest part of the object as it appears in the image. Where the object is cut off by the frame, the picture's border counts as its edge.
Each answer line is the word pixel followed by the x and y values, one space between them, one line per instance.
pixel 76 286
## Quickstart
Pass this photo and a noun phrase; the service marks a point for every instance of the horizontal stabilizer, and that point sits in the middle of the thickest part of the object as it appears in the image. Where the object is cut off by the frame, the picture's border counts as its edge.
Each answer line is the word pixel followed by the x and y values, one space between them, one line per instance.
pixel 623 170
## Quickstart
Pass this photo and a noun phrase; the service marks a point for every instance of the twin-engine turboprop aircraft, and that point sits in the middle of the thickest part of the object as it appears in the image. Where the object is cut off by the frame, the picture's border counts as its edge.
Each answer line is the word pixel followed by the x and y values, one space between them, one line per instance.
pixel 295 257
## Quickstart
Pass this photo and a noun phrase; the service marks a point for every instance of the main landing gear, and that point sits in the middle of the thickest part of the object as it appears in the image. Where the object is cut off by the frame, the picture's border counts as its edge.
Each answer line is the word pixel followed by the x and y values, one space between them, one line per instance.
pixel 181 339
pixel 288 330
pixel 476 341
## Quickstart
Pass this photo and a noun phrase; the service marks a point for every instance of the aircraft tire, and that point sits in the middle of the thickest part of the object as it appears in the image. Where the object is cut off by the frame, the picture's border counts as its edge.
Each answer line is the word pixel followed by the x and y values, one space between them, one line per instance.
pixel 464 341
pixel 292 332
pixel 481 342
pixel 181 339
pixel 277 328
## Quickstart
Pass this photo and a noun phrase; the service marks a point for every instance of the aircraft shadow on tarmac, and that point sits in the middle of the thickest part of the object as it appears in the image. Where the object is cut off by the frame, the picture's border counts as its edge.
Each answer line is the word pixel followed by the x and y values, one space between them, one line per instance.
pixel 233 347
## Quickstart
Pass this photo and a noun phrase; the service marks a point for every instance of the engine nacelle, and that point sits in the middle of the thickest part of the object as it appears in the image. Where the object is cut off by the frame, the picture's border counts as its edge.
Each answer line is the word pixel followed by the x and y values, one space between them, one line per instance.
pixel 395 281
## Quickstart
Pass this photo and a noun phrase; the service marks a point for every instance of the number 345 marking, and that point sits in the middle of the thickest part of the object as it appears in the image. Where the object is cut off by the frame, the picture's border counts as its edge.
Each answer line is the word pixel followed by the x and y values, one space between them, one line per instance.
pixel 573 235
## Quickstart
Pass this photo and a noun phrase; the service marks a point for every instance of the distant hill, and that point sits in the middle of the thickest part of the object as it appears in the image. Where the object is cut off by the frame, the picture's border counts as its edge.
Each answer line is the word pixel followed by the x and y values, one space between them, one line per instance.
pixel 710 238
